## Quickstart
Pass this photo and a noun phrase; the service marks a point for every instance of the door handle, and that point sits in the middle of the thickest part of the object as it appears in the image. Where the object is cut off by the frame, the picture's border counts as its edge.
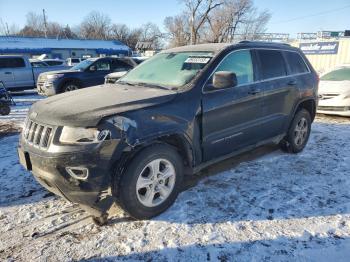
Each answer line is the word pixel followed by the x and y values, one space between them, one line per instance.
pixel 8 73
pixel 292 82
pixel 254 91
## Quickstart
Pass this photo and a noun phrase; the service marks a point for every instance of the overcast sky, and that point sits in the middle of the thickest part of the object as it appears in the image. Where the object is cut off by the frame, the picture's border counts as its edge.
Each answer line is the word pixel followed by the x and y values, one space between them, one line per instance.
pixel 288 16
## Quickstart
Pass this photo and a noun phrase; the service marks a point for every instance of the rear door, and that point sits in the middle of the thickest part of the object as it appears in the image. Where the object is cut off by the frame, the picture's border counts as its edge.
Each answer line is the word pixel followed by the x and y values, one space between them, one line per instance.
pixel 6 74
pixel 23 72
pixel 279 89
pixel 231 116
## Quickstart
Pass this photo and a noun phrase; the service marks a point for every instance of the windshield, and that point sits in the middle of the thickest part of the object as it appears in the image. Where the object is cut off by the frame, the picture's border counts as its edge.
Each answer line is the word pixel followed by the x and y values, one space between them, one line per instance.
pixel 337 75
pixel 83 65
pixel 168 69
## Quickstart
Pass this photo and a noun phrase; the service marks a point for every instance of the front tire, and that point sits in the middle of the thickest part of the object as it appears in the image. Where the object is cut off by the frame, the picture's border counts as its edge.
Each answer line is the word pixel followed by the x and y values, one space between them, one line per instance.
pixel 298 133
pixel 5 110
pixel 151 181
pixel 70 86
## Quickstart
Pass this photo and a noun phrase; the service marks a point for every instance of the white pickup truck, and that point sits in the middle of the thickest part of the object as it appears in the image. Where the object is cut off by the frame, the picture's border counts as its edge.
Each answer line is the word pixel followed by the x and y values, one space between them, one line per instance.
pixel 17 72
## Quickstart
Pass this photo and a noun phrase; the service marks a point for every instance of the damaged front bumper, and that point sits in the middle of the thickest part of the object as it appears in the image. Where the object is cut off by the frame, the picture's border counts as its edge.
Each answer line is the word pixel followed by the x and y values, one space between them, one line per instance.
pixel 80 174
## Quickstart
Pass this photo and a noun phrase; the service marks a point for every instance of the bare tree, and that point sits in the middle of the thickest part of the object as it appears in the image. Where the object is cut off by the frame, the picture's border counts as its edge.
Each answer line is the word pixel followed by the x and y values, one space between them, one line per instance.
pixel 96 25
pixel 120 32
pixel 221 24
pixel 198 12
pixel 255 25
pixel 178 30
pixel 6 29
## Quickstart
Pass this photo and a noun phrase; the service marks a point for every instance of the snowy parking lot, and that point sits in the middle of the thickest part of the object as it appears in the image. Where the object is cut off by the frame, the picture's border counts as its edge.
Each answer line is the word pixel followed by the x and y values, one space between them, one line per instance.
pixel 260 206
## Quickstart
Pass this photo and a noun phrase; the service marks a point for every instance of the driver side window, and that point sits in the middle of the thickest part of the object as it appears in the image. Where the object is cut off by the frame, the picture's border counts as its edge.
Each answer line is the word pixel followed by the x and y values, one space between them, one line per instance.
pixel 240 63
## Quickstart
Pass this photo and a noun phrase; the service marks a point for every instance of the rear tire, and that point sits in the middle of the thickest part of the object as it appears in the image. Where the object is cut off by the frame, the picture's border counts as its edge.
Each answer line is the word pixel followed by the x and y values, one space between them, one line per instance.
pixel 151 181
pixel 298 133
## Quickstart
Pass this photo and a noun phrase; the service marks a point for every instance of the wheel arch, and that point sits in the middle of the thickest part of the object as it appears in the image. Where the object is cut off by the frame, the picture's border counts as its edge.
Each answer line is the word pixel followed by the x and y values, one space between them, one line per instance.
pixel 178 141
pixel 309 104
pixel 68 80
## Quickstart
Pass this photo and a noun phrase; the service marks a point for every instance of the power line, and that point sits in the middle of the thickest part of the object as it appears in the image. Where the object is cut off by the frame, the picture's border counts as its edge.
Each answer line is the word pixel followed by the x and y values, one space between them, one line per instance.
pixel 312 15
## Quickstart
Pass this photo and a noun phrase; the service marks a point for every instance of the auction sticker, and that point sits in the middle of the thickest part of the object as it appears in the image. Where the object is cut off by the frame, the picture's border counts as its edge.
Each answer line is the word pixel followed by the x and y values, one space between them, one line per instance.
pixel 198 60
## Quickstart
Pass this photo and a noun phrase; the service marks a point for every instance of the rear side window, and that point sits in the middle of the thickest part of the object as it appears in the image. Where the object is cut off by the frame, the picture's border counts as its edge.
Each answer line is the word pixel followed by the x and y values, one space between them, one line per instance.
pixel 342 74
pixel 272 64
pixel 296 63
pixel 14 62
pixel 118 65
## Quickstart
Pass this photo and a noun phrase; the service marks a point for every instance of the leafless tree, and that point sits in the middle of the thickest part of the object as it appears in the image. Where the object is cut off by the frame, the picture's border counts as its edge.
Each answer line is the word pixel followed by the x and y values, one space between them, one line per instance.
pixel 6 29
pixel 120 32
pixel 95 25
pixel 255 24
pixel 178 30
pixel 221 24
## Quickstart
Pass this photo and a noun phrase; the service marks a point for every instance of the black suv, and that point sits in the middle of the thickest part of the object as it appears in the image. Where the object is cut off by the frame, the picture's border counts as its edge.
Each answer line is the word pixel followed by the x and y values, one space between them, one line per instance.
pixel 90 72
pixel 186 108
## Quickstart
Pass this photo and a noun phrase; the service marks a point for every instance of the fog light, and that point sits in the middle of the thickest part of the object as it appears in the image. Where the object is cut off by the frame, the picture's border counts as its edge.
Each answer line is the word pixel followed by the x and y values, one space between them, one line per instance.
pixel 80 173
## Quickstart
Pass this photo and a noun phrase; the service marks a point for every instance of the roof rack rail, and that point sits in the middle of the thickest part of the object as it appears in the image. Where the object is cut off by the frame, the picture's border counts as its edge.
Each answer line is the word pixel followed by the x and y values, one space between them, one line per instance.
pixel 262 42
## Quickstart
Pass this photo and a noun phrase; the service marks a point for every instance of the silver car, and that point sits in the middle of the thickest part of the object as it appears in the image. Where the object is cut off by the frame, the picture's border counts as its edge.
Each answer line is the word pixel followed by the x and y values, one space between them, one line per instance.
pixel 334 92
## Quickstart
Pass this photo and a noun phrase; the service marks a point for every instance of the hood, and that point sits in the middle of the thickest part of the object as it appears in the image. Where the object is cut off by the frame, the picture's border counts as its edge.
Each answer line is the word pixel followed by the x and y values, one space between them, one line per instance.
pixel 86 107
pixel 334 87
pixel 61 72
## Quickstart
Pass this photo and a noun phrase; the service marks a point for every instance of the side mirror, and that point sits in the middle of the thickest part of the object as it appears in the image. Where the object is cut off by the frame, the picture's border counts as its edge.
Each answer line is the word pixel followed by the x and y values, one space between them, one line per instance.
pixel 92 68
pixel 224 79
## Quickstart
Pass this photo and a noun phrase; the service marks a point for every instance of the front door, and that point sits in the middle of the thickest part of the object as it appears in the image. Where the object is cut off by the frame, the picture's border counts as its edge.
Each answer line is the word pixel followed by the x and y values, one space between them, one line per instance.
pixel 94 77
pixel 231 116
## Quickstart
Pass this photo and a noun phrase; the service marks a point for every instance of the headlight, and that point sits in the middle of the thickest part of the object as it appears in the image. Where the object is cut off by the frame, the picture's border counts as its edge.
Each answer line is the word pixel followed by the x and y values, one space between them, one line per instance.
pixel 53 77
pixel 71 135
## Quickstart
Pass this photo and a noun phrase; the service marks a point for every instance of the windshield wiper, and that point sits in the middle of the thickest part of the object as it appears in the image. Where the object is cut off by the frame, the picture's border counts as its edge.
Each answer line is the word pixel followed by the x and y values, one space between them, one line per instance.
pixel 151 85
pixel 125 83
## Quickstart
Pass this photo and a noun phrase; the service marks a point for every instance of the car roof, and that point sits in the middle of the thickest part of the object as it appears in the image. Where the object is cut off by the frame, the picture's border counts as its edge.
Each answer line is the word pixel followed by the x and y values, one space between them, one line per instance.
pixel 218 47
pixel 5 56
pixel 215 48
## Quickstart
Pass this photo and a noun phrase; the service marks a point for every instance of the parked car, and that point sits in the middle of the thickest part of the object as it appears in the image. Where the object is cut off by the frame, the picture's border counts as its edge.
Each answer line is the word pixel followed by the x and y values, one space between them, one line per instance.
pixel 55 62
pixel 334 92
pixel 37 63
pixel 73 61
pixel 90 72
pixel 17 72
pixel 113 77
pixel 181 111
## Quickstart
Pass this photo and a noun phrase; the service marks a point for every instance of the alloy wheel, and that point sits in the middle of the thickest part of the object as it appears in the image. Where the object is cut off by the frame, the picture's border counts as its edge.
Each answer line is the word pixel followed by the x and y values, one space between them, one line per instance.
pixel 300 131
pixel 155 182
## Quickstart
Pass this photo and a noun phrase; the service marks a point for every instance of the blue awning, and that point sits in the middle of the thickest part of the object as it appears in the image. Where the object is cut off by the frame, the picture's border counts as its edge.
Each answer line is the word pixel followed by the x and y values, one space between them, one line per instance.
pixel 26 50
pixel 106 51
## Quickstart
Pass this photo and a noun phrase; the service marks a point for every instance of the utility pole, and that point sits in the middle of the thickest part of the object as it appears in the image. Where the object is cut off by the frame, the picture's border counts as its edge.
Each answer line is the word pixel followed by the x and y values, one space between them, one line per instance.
pixel 45 23
pixel 7 29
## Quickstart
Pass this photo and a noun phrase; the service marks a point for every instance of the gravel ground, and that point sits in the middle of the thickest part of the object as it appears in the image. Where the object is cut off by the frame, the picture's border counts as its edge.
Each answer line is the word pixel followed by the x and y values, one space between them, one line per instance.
pixel 262 205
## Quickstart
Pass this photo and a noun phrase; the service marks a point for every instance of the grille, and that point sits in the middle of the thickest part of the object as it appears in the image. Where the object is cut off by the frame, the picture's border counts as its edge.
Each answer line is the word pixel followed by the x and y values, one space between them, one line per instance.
pixel 328 96
pixel 37 134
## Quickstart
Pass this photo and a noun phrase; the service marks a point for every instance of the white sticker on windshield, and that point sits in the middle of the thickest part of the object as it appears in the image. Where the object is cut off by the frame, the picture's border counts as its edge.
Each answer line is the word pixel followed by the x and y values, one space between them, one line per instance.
pixel 197 60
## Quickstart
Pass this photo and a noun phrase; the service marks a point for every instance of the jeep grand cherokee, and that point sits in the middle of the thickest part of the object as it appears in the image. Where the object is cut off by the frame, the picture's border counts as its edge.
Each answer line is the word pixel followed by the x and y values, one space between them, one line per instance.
pixel 132 142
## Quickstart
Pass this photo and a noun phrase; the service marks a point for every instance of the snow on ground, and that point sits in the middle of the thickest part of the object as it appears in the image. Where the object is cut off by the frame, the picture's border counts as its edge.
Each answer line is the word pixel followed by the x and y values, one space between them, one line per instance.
pixel 263 205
